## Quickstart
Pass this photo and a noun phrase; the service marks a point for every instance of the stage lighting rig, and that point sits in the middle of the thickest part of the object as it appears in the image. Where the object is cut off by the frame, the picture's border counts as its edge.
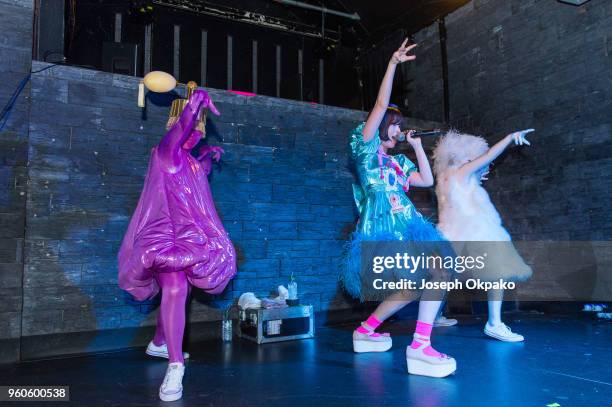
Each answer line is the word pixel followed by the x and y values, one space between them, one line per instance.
pixel 142 11
pixel 249 17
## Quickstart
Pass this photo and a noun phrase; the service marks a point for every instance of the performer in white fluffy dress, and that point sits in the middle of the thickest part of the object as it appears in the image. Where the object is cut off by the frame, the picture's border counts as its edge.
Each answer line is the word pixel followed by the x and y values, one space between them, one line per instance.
pixel 466 214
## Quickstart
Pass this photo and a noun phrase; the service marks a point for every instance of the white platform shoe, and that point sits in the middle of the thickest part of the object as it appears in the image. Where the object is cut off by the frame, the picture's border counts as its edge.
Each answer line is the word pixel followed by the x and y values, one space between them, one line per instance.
pixel 419 363
pixel 371 341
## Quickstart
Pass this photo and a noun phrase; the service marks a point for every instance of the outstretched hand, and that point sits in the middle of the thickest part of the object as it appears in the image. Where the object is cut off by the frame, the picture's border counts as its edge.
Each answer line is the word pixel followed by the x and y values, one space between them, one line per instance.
pixel 214 152
pixel 519 137
pixel 401 55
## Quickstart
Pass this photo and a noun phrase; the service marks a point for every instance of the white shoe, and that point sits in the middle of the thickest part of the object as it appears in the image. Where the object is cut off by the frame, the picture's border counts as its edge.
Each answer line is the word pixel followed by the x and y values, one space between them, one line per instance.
pixel 424 365
pixel 371 342
pixel 161 351
pixel 503 333
pixel 443 321
pixel 172 386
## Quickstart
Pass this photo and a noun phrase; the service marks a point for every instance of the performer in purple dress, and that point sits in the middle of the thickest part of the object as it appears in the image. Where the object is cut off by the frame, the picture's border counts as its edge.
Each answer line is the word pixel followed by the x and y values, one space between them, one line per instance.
pixel 175 238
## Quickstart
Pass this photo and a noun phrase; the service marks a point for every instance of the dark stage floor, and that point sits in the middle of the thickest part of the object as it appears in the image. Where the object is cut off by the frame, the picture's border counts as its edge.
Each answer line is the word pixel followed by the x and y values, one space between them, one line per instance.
pixel 564 361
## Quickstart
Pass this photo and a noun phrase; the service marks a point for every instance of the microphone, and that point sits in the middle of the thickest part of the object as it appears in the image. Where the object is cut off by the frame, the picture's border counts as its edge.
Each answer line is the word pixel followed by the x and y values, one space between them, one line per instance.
pixel 420 133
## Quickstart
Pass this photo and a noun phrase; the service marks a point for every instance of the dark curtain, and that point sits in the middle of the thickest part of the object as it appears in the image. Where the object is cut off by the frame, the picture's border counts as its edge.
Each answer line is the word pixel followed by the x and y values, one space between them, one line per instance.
pixel 374 63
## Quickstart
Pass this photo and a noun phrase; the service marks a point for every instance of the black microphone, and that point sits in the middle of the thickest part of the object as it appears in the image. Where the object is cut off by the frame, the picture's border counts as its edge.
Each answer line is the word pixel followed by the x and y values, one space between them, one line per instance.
pixel 419 133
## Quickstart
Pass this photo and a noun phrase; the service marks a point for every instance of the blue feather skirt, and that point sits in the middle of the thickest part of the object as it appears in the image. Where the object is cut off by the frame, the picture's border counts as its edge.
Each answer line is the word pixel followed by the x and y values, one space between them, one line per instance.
pixel 414 235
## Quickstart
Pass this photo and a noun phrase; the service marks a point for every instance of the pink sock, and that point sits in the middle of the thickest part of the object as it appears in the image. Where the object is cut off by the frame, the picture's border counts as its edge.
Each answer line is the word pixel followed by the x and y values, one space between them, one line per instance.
pixel 423 330
pixel 372 322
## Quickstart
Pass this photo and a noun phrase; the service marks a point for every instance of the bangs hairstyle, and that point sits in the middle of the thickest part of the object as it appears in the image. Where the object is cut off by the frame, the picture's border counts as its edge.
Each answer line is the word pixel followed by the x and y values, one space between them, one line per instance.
pixel 392 116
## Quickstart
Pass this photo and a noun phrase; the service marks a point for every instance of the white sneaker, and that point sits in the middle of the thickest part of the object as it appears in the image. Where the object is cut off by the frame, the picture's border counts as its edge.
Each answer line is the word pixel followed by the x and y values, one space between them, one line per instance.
pixel 443 321
pixel 503 333
pixel 419 363
pixel 161 351
pixel 371 341
pixel 172 386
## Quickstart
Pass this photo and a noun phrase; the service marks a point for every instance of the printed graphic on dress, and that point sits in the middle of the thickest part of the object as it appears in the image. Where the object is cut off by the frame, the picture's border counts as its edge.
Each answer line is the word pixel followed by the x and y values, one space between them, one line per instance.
pixel 395 202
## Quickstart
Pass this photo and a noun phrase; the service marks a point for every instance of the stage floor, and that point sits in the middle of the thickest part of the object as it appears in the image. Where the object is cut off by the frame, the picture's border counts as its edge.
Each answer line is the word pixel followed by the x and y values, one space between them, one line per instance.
pixel 563 360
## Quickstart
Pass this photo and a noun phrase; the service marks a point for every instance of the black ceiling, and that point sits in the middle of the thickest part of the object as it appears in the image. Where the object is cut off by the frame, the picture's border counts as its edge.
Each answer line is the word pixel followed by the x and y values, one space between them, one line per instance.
pixel 377 17
pixel 411 15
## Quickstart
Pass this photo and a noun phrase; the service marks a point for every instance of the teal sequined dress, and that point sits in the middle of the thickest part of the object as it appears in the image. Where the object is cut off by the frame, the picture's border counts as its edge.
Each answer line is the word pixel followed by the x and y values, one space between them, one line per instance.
pixel 385 212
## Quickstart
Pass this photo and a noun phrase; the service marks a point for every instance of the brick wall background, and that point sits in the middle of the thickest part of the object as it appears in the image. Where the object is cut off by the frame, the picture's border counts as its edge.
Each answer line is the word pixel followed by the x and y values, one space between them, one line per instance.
pixel 525 63
pixel 283 191
pixel 517 64
pixel 73 162
pixel 75 151
pixel 15 62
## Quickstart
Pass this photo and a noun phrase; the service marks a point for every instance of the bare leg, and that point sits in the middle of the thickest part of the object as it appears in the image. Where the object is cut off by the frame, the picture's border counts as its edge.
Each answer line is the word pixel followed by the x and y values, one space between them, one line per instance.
pixel 364 337
pixel 495 328
pixel 495 304
pixel 428 310
pixel 391 305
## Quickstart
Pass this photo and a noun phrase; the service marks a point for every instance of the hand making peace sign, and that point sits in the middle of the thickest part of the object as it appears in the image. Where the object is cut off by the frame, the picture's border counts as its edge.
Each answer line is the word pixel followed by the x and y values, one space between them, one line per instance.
pixel 401 55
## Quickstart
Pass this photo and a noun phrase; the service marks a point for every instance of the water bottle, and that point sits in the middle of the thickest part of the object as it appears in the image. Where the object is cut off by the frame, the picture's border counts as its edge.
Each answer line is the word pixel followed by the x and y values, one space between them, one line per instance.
pixel 226 326
pixel 292 288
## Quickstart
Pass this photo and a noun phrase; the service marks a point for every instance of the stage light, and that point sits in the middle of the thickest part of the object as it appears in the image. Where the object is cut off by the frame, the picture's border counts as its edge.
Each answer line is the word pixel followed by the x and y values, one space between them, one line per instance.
pixel 142 11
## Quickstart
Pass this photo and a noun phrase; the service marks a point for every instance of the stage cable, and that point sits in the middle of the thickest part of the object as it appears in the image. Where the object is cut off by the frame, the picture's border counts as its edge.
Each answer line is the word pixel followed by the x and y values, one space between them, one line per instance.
pixel 6 110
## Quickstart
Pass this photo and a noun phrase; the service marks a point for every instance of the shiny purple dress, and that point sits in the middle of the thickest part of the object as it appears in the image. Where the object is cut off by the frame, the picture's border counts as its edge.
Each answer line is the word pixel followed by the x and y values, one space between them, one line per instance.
pixel 175 227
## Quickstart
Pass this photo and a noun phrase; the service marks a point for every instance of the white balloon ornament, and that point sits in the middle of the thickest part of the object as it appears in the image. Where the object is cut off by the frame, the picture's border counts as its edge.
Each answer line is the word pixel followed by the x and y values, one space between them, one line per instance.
pixel 156 81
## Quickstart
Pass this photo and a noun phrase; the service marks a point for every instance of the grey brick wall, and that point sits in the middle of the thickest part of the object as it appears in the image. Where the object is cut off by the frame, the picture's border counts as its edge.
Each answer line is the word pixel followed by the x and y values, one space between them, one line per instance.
pixel 283 191
pixel 73 159
pixel 15 62
pixel 518 64
pixel 542 64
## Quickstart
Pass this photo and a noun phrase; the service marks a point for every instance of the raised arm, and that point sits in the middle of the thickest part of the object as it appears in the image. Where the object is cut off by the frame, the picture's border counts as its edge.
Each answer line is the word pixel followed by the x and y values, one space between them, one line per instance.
pixel 170 146
pixel 487 158
pixel 384 92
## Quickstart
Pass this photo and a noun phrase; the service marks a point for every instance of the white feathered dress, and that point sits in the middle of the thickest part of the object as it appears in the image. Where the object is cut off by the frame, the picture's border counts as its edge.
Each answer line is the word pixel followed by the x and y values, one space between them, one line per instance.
pixel 466 214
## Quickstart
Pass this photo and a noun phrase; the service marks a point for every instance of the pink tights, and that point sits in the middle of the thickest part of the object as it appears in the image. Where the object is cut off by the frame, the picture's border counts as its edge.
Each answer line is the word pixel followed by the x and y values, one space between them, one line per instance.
pixel 171 317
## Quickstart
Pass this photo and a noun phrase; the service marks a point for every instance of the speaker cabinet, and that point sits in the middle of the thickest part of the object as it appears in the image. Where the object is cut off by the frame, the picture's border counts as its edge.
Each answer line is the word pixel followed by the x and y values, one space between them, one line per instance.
pixel 50 30
pixel 121 58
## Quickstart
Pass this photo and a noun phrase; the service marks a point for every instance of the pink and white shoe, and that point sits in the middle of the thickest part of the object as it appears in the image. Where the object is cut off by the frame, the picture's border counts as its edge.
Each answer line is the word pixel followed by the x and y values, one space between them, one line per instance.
pixel 422 359
pixel 371 341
